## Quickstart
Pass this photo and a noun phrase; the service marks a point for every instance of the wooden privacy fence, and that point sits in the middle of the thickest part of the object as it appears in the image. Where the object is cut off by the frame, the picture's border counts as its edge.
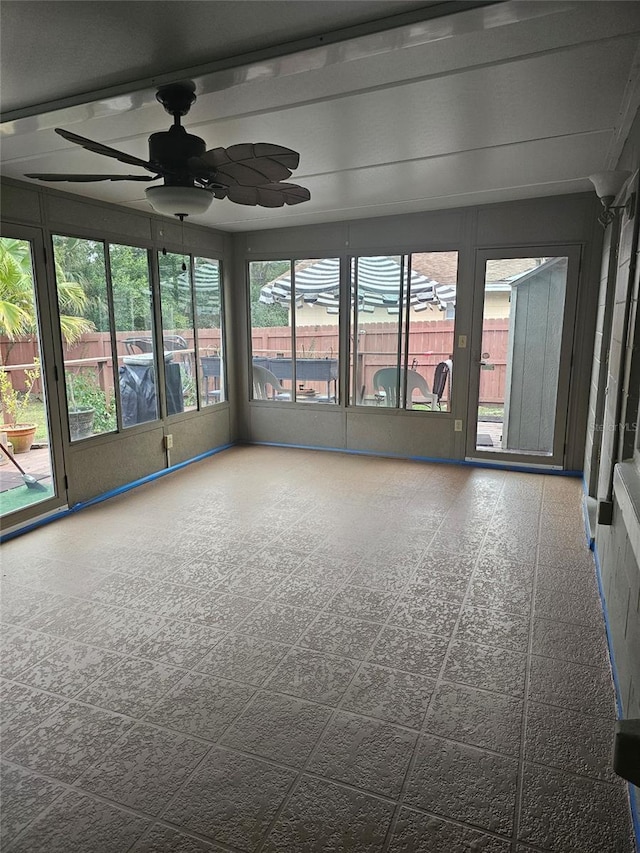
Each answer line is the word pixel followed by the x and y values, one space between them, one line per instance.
pixel 93 350
pixel 429 343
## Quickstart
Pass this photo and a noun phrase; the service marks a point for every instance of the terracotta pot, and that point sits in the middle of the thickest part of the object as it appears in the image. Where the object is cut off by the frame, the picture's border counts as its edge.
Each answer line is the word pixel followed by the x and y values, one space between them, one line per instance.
pixel 20 435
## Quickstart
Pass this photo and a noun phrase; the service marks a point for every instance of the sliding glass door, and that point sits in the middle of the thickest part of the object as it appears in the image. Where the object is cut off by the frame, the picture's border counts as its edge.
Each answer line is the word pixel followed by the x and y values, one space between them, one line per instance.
pixel 31 455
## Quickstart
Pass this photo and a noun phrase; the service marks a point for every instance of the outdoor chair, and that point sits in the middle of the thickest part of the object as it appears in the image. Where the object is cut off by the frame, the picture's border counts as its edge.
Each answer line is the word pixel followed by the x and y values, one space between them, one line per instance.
pixel 263 378
pixel 387 379
pixel 440 377
pixel 134 346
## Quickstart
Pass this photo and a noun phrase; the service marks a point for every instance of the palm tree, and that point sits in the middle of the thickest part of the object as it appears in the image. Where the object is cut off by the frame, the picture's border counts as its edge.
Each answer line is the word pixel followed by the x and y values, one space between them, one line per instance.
pixel 17 304
pixel 16 291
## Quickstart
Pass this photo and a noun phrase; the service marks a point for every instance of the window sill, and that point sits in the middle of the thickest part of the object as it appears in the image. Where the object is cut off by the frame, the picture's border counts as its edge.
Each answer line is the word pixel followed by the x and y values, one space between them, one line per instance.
pixel 626 487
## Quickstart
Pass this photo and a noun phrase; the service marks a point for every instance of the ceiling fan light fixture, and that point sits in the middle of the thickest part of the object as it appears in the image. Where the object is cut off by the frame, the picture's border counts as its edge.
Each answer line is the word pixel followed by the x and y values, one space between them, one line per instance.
pixel 250 173
pixel 179 201
pixel 609 183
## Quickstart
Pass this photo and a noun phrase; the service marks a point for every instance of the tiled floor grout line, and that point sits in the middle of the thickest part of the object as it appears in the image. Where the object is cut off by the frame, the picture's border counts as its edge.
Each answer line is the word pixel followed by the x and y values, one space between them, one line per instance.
pixel 525 699
pixel 217 743
pixel 134 721
pixel 74 788
pixel 236 630
pixel 109 669
pixel 336 709
pixel 438 681
pixel 68 787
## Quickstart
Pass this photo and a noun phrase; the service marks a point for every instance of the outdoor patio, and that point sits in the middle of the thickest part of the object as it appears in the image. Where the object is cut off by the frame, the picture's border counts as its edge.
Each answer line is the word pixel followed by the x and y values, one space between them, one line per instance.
pixel 14 494
pixel 489 431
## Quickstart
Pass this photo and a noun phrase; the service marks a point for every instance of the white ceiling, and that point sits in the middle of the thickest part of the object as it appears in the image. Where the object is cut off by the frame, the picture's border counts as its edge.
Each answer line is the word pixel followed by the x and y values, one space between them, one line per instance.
pixel 496 101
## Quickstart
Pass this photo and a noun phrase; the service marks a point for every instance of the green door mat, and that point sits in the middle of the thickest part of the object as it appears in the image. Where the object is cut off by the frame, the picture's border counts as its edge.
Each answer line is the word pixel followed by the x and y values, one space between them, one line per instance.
pixel 22 496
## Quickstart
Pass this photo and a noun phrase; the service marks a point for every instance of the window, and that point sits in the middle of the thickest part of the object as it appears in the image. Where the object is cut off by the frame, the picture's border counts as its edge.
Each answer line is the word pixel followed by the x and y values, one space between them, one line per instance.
pixel 209 327
pixel 108 330
pixel 294 329
pixel 402 320
pixel 178 336
pixel 190 298
pixel 133 318
pixel 86 329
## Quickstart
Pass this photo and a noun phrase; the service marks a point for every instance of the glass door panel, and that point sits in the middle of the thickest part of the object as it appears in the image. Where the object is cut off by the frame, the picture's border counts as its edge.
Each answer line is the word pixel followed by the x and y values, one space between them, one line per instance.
pixel 378 304
pixel 25 428
pixel 522 353
pixel 85 328
pixel 211 356
pixel 403 316
pixel 176 299
pixel 316 286
pixel 132 318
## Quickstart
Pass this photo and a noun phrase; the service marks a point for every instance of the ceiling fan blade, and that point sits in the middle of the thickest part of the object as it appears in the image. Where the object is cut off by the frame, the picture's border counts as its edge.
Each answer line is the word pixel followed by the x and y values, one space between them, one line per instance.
pixel 268 195
pixel 247 164
pixel 248 173
pixel 293 193
pixel 253 173
pixel 244 151
pixel 48 176
pixel 250 150
pixel 99 148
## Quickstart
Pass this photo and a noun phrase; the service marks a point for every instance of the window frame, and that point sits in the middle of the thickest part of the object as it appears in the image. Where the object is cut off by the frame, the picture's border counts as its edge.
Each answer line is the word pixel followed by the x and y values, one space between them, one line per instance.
pixel 404 326
pixel 292 260
pixel 223 350
pixel 152 250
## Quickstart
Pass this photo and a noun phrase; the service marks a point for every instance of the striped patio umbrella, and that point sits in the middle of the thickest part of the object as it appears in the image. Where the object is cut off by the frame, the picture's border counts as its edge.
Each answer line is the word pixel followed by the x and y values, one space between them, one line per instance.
pixel 376 282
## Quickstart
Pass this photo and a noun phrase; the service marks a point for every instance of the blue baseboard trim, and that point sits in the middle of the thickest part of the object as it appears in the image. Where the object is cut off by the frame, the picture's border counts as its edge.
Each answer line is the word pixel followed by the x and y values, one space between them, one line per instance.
pixel 41 522
pixel 635 816
pixel 444 460
pixel 55 516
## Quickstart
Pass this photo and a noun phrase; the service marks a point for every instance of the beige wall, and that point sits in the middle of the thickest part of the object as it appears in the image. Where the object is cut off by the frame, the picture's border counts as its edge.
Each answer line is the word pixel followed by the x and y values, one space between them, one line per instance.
pixel 612 472
pixel 515 225
pixel 496 305
pixel 107 462
pixel 563 219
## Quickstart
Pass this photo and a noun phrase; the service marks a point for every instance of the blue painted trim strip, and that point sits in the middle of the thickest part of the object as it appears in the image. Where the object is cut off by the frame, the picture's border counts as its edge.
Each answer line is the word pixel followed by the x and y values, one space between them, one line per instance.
pixel 437 459
pixel 635 816
pixel 591 542
pixel 113 493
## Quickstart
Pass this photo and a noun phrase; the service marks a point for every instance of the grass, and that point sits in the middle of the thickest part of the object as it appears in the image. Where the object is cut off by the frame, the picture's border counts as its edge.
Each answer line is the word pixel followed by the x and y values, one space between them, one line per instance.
pixel 495 411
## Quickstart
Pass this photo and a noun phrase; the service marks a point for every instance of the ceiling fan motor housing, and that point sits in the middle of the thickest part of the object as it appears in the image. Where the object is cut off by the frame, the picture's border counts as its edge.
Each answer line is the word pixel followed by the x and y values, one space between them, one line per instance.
pixel 171 149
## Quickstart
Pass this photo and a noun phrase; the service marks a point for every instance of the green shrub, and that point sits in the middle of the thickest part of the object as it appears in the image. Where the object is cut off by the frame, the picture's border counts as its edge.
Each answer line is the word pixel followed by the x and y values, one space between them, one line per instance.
pixel 84 392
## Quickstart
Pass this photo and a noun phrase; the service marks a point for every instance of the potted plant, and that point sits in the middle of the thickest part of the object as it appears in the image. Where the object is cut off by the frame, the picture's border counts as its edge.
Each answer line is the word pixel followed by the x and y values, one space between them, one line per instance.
pixel 89 411
pixel 15 404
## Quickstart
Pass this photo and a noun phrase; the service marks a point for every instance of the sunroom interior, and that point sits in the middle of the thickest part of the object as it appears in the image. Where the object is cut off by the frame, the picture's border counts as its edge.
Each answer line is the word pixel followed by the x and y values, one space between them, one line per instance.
pixel 403 412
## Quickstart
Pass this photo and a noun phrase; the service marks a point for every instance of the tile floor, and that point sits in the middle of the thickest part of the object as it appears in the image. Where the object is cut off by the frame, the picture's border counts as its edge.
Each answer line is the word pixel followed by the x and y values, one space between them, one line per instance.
pixel 284 651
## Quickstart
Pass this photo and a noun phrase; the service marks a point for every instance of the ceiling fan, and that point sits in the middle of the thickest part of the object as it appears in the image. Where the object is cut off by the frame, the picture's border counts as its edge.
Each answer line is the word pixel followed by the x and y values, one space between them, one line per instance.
pixel 249 173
